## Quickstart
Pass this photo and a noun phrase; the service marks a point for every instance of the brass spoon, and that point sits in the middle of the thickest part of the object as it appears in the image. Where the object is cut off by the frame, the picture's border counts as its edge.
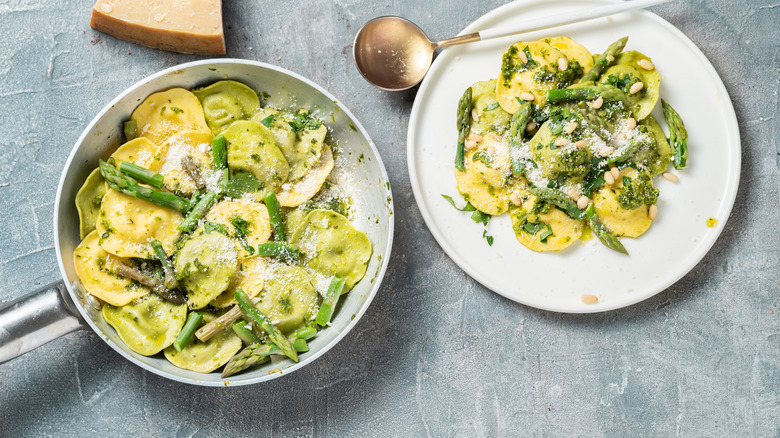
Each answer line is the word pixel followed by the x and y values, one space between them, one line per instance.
pixel 394 54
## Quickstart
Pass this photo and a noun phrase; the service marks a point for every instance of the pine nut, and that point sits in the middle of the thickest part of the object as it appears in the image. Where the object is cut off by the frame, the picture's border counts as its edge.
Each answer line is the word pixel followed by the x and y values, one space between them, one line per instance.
pixel 670 177
pixel 636 87
pixel 589 299
pixel 573 195
pixel 522 56
pixel 472 140
pixel 526 96
pixel 580 144
pixel 652 211
pixel 561 142
pixel 609 178
pixel 475 115
pixel 570 127
pixel 646 64
pixel 615 173
pixel 563 64
pixel 583 202
pixel 515 198
pixel 620 137
pixel 531 126
pixel 598 102
pixel 630 123
pixel 607 151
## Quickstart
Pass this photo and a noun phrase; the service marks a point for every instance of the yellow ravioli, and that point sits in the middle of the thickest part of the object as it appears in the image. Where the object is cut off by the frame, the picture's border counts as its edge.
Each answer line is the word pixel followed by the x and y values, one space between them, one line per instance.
pixel 511 88
pixel 295 194
pixel 621 222
pixel 166 113
pixel 126 225
pixel 250 277
pixel 255 213
pixel 96 269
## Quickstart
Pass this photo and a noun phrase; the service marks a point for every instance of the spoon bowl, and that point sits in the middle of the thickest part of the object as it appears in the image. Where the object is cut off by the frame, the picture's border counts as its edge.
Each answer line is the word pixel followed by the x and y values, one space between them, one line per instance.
pixel 393 53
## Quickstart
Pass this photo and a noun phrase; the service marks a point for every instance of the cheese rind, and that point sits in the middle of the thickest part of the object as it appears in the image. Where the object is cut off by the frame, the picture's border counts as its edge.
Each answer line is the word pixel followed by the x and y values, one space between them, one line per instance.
pixel 185 26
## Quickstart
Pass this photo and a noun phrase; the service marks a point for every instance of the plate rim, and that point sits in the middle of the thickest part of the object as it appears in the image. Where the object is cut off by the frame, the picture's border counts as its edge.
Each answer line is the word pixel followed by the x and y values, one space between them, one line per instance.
pixel 729 196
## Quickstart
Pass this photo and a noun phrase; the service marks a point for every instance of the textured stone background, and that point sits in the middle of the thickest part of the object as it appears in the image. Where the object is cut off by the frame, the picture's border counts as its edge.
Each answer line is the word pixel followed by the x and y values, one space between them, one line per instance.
pixel 699 359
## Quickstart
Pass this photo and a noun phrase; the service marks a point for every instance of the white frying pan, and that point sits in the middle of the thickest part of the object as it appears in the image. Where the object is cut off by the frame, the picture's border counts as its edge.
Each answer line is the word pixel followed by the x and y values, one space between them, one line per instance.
pixel 63 307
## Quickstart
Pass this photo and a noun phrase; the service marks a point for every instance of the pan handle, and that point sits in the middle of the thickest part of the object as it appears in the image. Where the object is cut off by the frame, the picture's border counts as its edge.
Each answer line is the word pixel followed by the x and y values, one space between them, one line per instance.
pixel 35 319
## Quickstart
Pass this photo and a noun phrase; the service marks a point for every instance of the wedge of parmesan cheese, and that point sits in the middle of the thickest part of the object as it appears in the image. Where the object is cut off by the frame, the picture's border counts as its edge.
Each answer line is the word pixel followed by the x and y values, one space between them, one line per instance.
pixel 186 26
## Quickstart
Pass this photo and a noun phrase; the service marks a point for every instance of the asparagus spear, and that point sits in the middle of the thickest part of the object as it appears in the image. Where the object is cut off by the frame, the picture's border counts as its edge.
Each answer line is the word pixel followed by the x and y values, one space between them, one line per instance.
pixel 245 333
pixel 601 231
pixel 272 204
pixel 219 154
pixel 185 335
pixel 263 322
pixel 464 125
pixel 516 133
pixel 142 174
pixel 678 135
pixel 131 129
pixel 251 355
pixel 605 60
pixel 170 273
pixel 219 324
pixel 587 92
pixel 156 285
pixel 329 302
pixel 129 186
pixel 256 354
pixel 626 152
pixel 559 199
pixel 201 208
pixel 191 167
pixel 277 249
pixel 305 333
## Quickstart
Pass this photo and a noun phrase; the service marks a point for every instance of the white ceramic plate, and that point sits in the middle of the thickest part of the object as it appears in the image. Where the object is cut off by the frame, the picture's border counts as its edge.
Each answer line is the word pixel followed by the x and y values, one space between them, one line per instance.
pixel 679 237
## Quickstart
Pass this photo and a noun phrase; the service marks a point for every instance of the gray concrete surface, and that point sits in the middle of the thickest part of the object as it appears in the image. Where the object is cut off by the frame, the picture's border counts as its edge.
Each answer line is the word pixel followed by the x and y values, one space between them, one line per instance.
pixel 436 354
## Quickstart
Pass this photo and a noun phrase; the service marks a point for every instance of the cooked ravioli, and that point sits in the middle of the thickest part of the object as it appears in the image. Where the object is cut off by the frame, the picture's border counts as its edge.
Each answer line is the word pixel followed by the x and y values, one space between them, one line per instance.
pixel 166 113
pixel 148 324
pixel 332 246
pixel 206 263
pixel 97 268
pixel 301 148
pixel 487 115
pixel 621 221
pixel 140 151
pixel 517 77
pixel 289 299
pixel 252 148
pixel 88 200
pixel 250 277
pixel 627 71
pixel 657 155
pixel 205 357
pixel 193 144
pixel 548 230
pixel 485 183
pixel 573 50
pixel 258 225
pixel 126 225
pixel 225 102
pixel 292 194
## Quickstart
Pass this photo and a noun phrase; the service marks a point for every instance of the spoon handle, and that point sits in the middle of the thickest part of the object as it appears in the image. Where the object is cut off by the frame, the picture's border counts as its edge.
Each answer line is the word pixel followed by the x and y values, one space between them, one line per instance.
pixel 533 24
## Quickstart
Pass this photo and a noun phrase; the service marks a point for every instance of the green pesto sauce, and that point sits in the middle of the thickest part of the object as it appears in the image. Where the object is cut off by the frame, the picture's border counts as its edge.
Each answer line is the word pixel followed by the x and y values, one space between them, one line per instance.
pixel 638 191
pixel 562 79
pixel 511 63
